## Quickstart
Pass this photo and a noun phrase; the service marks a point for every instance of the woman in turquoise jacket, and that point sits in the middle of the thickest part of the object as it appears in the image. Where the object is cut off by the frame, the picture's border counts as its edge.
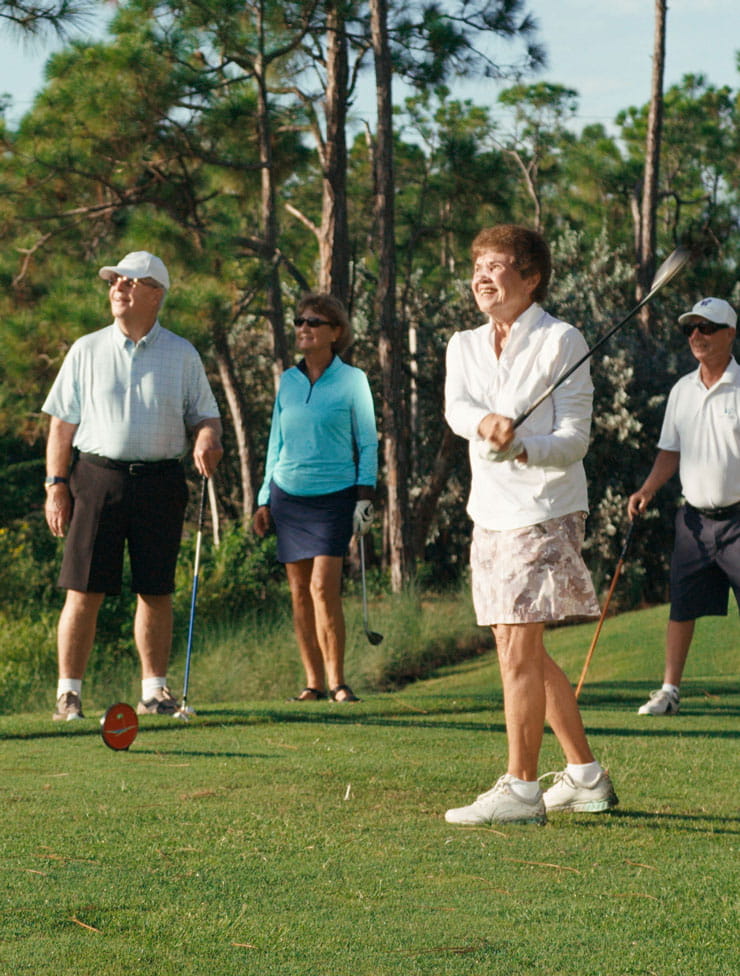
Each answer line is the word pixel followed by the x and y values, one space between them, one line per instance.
pixel 319 485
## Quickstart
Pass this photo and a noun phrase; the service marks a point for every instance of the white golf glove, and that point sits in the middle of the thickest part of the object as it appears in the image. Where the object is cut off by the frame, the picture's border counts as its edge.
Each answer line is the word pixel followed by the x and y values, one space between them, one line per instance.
pixel 489 453
pixel 363 516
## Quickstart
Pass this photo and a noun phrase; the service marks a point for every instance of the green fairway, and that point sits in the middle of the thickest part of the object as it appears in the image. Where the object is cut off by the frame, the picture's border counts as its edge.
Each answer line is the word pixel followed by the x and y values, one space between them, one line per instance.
pixel 309 839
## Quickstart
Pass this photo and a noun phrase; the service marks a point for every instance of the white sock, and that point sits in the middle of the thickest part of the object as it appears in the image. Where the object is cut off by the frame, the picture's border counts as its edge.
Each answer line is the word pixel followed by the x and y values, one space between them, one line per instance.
pixel 672 688
pixel 69 684
pixel 526 789
pixel 150 687
pixel 584 774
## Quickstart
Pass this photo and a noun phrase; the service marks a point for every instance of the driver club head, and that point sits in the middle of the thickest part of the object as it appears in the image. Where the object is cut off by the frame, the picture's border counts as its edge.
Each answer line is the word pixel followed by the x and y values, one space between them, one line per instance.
pixel 373 637
pixel 673 264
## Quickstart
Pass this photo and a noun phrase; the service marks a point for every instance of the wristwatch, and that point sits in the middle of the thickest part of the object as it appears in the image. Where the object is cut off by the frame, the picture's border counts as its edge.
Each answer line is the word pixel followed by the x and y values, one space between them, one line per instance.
pixel 54 479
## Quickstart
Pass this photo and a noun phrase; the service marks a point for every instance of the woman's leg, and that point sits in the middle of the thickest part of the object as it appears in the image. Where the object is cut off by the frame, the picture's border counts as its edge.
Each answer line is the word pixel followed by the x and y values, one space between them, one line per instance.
pixel 521 656
pixel 326 591
pixel 563 715
pixel 304 621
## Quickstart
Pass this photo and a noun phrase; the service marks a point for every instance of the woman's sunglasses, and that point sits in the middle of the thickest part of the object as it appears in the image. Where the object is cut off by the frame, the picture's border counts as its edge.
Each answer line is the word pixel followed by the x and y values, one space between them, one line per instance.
pixel 312 323
pixel 706 328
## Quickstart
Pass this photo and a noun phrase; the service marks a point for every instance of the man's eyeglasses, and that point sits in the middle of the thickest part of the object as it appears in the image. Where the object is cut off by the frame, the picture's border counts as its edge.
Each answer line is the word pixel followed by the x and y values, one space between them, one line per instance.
pixel 312 323
pixel 130 282
pixel 706 328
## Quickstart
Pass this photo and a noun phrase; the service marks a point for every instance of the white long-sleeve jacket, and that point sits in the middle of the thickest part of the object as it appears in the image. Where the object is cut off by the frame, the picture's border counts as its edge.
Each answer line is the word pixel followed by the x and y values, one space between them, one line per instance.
pixel 540 348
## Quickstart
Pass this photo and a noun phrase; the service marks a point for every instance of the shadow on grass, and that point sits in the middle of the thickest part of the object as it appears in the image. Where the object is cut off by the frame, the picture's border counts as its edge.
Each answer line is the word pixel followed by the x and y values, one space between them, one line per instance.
pixel 715 698
pixel 653 820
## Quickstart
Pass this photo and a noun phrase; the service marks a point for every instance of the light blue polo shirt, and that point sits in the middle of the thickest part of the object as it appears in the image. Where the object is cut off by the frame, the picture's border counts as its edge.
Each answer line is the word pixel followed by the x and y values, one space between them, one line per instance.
pixel 132 401
pixel 323 436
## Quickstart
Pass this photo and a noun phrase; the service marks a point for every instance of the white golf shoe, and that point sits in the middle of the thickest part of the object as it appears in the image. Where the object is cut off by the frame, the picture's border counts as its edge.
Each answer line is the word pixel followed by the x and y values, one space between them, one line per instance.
pixel 565 794
pixel 501 805
pixel 661 702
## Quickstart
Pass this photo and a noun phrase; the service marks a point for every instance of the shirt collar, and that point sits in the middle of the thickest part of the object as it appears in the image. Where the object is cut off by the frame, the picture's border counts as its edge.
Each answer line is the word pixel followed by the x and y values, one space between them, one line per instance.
pixel 529 317
pixel 333 365
pixel 730 375
pixel 152 335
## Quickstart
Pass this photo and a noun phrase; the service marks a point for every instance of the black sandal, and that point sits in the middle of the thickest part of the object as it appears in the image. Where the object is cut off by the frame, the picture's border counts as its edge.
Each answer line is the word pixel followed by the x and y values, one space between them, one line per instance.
pixel 315 694
pixel 350 696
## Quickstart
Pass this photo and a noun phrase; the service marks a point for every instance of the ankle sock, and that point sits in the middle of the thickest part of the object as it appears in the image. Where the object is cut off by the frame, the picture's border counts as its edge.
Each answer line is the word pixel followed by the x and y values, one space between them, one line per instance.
pixel 672 688
pixel 150 687
pixel 69 684
pixel 584 774
pixel 527 790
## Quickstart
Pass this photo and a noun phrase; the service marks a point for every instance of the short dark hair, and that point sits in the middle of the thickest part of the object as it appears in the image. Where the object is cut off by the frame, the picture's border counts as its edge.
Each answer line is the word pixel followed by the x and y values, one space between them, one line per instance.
pixel 528 248
pixel 334 311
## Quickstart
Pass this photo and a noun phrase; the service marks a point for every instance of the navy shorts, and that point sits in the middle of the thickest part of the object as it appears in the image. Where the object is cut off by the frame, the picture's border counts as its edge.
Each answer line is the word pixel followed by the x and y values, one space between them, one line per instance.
pixel 704 565
pixel 312 525
pixel 113 509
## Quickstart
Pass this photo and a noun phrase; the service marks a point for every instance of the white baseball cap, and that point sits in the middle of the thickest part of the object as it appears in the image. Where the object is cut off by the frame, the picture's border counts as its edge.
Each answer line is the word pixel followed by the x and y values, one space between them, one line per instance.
pixel 139 264
pixel 714 309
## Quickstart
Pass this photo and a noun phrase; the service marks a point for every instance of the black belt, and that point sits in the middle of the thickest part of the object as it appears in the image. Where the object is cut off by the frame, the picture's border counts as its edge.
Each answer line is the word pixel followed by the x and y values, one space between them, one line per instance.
pixel 136 469
pixel 718 513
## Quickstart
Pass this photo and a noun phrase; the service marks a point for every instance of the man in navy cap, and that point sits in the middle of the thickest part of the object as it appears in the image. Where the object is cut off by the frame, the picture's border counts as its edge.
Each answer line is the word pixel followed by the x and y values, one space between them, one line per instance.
pixel 122 406
pixel 701 440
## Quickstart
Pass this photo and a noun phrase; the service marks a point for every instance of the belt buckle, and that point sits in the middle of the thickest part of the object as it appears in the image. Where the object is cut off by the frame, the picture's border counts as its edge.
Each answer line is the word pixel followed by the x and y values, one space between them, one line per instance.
pixel 136 468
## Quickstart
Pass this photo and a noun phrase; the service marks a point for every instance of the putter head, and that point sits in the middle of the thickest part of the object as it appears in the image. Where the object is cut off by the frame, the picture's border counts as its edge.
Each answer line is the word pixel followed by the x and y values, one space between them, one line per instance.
pixel 183 714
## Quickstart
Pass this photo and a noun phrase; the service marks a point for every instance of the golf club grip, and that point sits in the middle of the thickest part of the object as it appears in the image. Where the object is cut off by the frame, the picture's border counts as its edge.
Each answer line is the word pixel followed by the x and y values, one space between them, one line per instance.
pixel 202 510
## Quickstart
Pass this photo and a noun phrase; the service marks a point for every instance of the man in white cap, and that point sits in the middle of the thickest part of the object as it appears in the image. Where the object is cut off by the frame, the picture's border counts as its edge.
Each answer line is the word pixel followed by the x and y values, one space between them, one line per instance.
pixel 700 439
pixel 121 408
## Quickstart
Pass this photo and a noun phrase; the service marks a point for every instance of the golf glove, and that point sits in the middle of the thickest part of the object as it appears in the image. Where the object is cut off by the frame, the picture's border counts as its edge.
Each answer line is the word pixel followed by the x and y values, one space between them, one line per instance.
pixel 489 453
pixel 363 517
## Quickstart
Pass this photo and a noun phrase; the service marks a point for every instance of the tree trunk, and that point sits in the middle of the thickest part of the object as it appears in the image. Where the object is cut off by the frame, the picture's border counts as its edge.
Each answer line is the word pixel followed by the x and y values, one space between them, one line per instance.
pixel 268 211
pixel 233 391
pixel 646 254
pixel 392 350
pixel 426 503
pixel 334 233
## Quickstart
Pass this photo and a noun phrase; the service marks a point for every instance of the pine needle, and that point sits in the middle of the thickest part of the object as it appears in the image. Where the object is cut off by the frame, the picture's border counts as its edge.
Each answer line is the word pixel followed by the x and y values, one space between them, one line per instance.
pixel 83 925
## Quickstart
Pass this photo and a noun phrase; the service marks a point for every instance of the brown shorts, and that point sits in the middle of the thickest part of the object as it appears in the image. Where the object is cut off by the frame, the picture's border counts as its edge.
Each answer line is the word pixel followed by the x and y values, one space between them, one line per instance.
pixel 533 574
pixel 112 509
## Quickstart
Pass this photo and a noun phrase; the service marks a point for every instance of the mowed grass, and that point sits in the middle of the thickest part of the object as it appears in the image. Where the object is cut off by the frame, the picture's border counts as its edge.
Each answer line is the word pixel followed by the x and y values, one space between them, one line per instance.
pixel 309 839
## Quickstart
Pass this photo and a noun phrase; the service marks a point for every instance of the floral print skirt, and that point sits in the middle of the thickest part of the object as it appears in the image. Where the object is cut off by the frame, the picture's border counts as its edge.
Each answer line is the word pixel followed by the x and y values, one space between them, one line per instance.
pixel 532 574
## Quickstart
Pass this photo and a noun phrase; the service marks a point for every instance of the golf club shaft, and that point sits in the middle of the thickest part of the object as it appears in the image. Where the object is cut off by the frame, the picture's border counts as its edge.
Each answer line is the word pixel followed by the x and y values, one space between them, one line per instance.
pixel 617 573
pixel 361 541
pixel 665 273
pixel 571 369
pixel 196 570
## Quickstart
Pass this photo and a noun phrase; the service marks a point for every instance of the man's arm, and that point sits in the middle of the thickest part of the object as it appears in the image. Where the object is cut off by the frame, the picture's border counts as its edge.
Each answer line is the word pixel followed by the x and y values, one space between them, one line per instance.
pixel 58 506
pixel 665 466
pixel 207 449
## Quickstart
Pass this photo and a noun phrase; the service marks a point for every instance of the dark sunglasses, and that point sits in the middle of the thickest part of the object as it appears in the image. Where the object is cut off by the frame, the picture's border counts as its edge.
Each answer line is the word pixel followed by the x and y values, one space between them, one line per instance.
pixel 706 328
pixel 312 323
pixel 117 279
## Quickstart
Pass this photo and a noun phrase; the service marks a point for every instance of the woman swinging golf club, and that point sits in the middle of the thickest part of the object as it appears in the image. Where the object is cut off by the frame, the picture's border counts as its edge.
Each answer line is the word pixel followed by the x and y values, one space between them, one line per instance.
pixel 320 472
pixel 528 502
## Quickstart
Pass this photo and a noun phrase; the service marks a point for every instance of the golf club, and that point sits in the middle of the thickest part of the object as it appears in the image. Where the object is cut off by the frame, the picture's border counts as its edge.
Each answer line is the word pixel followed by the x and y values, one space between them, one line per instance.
pixel 673 264
pixel 617 573
pixel 184 712
pixel 371 635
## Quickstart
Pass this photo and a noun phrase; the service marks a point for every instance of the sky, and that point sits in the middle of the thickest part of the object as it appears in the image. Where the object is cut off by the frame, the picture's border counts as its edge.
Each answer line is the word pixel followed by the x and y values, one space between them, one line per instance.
pixel 601 49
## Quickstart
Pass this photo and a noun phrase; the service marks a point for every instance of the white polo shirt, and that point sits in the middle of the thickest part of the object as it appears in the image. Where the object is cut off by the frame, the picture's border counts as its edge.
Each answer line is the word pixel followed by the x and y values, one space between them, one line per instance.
pixel 132 401
pixel 703 425
pixel 540 348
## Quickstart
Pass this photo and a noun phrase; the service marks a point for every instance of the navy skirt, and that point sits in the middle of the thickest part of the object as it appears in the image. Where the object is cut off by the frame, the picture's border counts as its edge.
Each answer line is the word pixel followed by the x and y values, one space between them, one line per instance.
pixel 312 525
